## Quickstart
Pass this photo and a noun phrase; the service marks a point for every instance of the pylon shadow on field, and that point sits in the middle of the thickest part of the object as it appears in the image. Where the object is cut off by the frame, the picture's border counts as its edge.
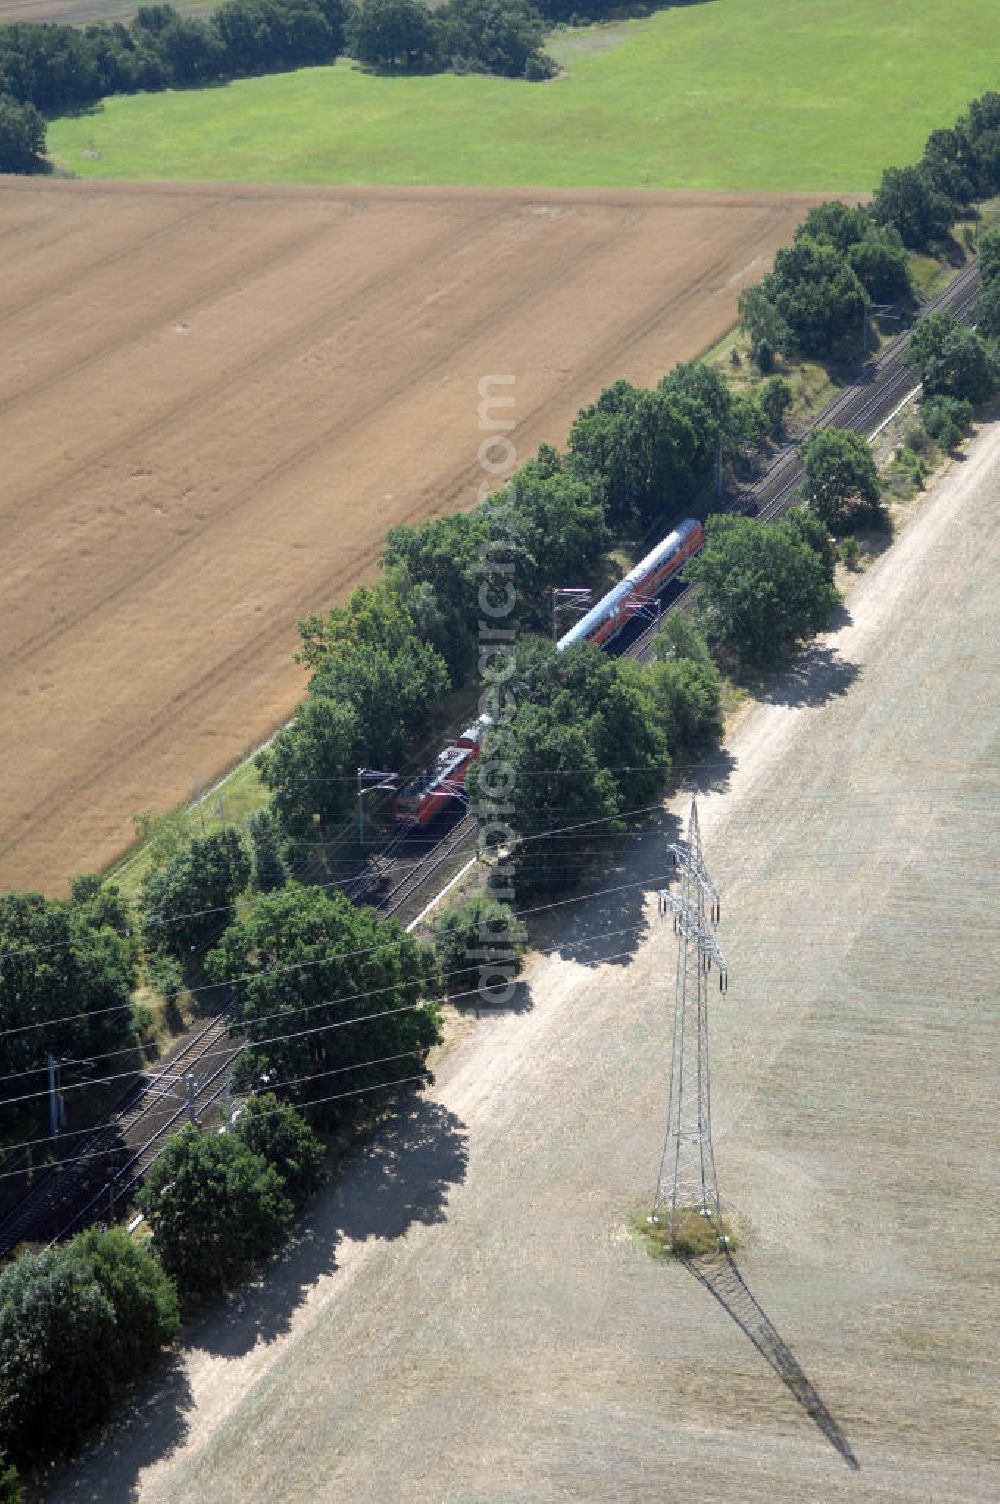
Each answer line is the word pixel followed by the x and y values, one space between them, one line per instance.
pixel 720 1276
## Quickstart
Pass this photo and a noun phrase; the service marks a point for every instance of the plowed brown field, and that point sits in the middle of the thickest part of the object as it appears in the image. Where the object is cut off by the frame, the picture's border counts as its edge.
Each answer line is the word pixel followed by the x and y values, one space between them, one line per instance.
pixel 214 403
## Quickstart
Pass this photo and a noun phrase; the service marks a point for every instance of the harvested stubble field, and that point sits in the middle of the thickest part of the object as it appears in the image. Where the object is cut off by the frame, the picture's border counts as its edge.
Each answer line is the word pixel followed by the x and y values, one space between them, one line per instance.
pixel 214 403
pixel 467 1318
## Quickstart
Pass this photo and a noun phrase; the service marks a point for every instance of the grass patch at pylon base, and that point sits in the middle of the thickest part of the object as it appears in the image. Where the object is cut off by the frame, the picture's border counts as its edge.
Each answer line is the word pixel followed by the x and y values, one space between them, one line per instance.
pixel 693 1235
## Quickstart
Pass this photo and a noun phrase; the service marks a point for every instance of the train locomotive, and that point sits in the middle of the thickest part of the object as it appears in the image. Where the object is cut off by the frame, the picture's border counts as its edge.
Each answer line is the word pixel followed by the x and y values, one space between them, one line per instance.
pixel 427 794
pixel 420 800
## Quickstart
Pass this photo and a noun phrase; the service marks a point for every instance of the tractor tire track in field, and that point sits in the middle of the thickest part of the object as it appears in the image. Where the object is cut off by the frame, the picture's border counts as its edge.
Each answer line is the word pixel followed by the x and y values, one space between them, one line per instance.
pixel 151 586
pixel 592 373
pixel 142 329
pixel 285 345
pixel 302 455
pixel 71 283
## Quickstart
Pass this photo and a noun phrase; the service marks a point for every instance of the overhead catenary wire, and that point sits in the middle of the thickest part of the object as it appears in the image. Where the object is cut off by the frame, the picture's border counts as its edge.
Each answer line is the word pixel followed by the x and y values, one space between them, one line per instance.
pixel 205 913
pixel 955 293
pixel 573 898
pixel 341 1023
pixel 322 1028
pixel 412 839
pixel 228 981
pixel 307 1008
pixel 565 834
pixel 263 1091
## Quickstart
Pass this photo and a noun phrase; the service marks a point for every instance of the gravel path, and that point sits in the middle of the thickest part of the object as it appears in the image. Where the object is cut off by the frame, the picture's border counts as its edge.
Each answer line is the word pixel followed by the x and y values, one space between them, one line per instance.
pixel 469 1319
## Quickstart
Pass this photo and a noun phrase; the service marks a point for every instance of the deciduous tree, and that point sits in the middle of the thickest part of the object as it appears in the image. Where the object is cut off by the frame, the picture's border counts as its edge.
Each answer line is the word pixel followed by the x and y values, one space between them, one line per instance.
pixel 817 295
pixel 776 399
pixel 326 991
pixel 765 589
pixel 22 137
pixel 482 929
pixel 282 1137
pixel 907 199
pixel 839 476
pixel 953 361
pixel 269 869
pixel 78 1324
pixel 215 1208
pixel 392 34
pixel 186 899
pixel 62 965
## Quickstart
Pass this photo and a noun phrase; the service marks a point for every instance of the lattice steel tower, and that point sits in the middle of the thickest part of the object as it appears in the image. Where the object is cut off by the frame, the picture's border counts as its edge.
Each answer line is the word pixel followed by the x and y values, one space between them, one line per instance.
pixel 687 1179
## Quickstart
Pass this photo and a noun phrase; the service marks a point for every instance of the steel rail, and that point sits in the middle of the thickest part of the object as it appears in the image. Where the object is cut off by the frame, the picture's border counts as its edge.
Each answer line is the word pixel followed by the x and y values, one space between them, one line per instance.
pixel 867 397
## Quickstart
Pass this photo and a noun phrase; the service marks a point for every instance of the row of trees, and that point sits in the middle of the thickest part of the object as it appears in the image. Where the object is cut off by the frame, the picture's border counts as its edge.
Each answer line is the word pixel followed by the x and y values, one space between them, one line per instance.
pixel 220 1203
pixel 55 67
pixel 589 739
pixel 649 454
pixel 817 299
pixel 47 68
pixel 82 1322
pixel 468 36
pixel 959 166
pixel 593 738
pixel 637 459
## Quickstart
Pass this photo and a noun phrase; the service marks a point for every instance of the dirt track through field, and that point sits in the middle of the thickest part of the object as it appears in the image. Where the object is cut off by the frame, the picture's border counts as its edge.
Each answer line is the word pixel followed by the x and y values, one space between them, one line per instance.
pixel 215 401
pixel 467 1320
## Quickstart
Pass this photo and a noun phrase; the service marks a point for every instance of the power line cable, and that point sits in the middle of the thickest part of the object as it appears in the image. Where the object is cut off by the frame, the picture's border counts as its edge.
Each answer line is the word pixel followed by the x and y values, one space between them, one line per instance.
pixel 301 1033
pixel 877 797
pixel 228 981
pixel 338 1023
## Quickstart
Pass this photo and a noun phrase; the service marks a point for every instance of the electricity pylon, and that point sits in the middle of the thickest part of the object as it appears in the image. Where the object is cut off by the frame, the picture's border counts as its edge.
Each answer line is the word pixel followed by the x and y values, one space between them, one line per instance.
pixel 687 1180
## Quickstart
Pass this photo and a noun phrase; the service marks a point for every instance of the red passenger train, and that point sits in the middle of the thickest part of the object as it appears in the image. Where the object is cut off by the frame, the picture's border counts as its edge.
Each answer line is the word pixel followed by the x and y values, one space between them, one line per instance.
pixel 425 796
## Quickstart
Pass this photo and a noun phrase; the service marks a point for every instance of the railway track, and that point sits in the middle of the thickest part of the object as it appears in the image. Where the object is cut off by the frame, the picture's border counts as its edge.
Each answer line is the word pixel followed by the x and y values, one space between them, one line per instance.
pixel 862 405
pixel 108 1163
pixel 395 880
pixel 875 394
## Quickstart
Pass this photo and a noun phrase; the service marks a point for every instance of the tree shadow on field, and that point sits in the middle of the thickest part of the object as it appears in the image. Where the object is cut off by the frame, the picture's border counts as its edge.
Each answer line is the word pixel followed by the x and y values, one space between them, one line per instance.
pixel 607 921
pixel 816 674
pixel 718 1273
pixel 399 1174
pixel 157 1426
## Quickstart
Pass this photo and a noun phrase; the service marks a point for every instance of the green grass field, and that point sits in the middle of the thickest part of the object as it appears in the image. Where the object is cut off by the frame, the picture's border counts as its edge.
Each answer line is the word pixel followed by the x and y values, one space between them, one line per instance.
pixel 751 94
